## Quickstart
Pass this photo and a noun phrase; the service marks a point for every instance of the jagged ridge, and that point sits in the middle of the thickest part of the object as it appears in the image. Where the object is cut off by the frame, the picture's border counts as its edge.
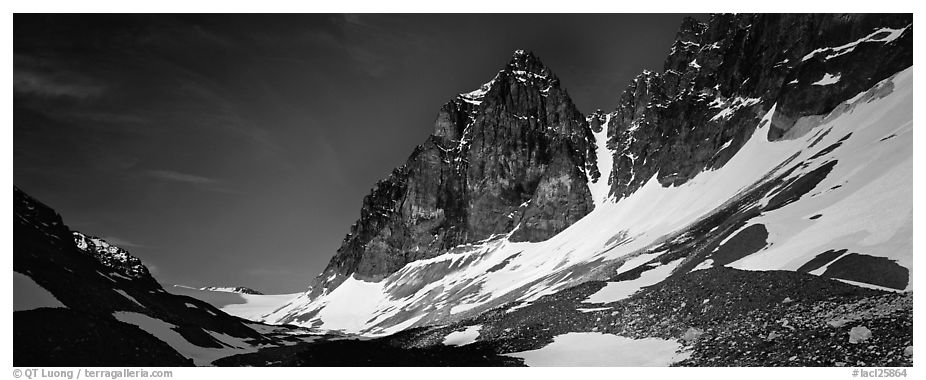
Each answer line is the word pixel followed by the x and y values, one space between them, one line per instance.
pixel 721 76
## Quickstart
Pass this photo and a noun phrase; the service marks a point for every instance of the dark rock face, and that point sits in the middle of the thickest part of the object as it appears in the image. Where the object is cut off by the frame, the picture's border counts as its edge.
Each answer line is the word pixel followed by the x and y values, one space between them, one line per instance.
pixel 722 76
pixel 514 155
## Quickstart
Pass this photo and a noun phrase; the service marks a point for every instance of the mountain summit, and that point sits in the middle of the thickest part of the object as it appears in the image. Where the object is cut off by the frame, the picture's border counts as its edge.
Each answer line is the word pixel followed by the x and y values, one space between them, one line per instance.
pixel 508 158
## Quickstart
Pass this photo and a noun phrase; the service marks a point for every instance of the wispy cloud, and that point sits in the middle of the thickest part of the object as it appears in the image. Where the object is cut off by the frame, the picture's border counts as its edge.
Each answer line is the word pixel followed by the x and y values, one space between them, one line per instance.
pixel 201 182
pixel 175 176
pixel 35 83
pixel 42 77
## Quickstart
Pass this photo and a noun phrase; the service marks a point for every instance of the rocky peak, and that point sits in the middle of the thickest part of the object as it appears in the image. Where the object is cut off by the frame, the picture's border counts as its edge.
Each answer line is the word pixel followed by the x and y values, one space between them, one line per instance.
pixel 509 158
pixel 111 256
pixel 526 68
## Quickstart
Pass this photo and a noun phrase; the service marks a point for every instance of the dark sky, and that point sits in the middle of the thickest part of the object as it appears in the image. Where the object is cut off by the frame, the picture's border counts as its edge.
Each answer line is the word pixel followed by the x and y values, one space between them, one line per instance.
pixel 236 150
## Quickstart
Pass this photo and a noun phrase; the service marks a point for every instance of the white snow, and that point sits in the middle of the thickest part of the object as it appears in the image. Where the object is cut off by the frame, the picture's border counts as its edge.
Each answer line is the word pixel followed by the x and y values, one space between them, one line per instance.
pixel 256 306
pixel 869 286
pixel 732 235
pixel 398 327
pixel 616 291
pixel 603 350
pixel 248 306
pixel 706 264
pixel 605 160
pixel 734 105
pixel 28 295
pixel 593 309
pixel 638 260
pixel 463 307
pixel 126 295
pixel 117 274
pixel 822 269
pixel 350 305
pixel 462 338
pixel 476 96
pixel 892 34
pixel 725 145
pixel 827 79
pixel 201 355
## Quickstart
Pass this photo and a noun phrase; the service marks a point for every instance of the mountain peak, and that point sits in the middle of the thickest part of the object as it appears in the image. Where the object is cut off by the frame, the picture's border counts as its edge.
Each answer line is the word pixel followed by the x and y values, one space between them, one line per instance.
pixel 231 289
pixel 524 67
pixel 526 61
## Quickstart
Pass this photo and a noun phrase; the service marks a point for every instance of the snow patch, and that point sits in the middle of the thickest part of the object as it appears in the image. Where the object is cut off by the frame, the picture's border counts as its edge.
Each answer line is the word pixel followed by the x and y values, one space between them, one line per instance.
pixel 603 350
pixel 126 295
pixel 475 97
pixel 827 79
pixel 605 160
pixel 892 34
pixel 462 338
pixel 28 295
pixel 616 291
pixel 201 355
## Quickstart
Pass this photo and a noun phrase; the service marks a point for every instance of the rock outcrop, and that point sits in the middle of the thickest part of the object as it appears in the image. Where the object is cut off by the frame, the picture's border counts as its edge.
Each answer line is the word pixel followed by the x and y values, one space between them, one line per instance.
pixel 111 256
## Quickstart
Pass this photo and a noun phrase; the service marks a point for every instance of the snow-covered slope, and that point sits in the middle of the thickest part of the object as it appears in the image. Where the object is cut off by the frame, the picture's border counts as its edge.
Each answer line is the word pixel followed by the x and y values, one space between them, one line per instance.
pixel 865 203
pixel 248 306
pixel 853 167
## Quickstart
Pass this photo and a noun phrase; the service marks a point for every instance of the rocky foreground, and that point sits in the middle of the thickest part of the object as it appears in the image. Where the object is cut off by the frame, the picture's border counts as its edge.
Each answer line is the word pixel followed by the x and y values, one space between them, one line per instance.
pixel 721 317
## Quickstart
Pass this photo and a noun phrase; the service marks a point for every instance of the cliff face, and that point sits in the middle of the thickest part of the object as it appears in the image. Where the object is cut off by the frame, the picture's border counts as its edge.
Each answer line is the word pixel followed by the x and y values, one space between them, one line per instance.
pixel 513 156
pixel 721 76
